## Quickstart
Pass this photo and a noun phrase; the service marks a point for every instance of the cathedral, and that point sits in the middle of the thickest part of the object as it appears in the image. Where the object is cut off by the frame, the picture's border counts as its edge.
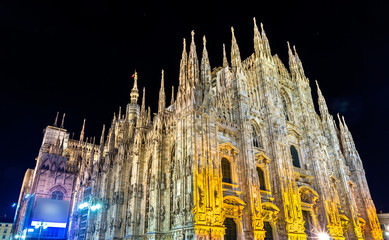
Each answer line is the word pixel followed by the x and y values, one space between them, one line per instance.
pixel 239 153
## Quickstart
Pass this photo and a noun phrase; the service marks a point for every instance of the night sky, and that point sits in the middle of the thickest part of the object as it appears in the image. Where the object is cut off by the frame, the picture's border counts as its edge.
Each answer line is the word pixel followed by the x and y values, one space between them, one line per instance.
pixel 77 57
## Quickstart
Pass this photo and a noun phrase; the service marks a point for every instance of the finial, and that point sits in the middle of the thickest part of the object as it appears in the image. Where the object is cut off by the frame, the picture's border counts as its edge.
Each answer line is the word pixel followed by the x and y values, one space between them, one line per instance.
pixel 162 79
pixel 143 99
pixel 232 30
pixel 82 131
pixel 56 120
pixel 192 33
pixel 184 44
pixel 225 62
pixel 295 52
pixel 172 99
pixel 134 92
pixel 204 41
pixel 63 120
pixel 120 112
pixel 102 136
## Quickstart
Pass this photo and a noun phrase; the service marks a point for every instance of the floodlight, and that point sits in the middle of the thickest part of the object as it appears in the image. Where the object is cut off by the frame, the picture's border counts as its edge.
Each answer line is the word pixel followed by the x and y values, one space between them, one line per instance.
pixel 323 236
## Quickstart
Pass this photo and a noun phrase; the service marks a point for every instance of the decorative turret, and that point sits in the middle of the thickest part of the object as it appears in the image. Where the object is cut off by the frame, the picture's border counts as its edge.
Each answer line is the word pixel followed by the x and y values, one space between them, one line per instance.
pixel 134 92
pixel 162 98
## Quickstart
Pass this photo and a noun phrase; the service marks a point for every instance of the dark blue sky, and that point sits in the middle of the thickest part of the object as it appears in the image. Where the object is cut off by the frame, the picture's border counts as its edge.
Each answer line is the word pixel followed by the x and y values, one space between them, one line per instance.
pixel 77 57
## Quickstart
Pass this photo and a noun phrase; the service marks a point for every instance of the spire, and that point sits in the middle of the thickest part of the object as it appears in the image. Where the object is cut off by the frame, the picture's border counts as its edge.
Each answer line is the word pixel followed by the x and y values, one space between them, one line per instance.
pixel 143 100
pixel 172 99
pixel 257 40
pixel 344 124
pixel 63 120
pixel 162 98
pixel 56 120
pixel 193 64
pixel 225 61
pixel 134 92
pixel 292 61
pixel 148 115
pixel 183 66
pixel 322 102
pixel 299 64
pixel 82 131
pixel 205 66
pixel 235 54
pixel 265 42
pixel 102 136
pixel 340 123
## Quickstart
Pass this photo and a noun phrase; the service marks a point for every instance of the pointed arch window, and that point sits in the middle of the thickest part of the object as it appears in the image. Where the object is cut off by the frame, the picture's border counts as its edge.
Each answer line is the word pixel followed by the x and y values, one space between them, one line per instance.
pixel 261 177
pixel 285 108
pixel 295 156
pixel 226 170
pixel 257 140
pixel 57 195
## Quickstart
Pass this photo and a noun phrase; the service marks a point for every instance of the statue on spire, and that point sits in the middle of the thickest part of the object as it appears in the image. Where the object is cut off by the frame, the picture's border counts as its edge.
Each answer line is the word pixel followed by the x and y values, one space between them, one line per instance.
pixel 134 92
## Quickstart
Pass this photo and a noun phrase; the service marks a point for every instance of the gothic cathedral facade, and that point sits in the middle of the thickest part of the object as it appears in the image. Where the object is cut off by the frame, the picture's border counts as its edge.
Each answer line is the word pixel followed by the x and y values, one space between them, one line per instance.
pixel 239 153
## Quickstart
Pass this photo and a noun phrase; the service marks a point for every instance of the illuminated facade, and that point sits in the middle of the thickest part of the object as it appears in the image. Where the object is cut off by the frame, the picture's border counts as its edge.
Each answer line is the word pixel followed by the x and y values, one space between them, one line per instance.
pixel 240 153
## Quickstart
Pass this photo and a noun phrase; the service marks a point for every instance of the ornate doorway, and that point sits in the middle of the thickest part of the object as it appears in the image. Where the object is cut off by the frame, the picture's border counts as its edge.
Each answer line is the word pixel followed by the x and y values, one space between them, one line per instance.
pixel 230 225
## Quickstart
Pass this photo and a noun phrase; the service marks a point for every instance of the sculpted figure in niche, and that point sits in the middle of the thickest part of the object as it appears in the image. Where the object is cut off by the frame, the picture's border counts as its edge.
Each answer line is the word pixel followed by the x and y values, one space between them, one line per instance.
pixel 162 213
pixel 163 182
pixel 128 219
pixel 104 226
pixel 138 218
pixel 119 225
pixel 121 198
pixel 140 191
pixel 112 223
pixel 130 190
pixel 151 213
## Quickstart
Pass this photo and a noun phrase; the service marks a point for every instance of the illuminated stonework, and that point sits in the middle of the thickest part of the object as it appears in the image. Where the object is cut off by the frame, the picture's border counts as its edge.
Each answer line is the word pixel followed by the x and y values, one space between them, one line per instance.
pixel 240 153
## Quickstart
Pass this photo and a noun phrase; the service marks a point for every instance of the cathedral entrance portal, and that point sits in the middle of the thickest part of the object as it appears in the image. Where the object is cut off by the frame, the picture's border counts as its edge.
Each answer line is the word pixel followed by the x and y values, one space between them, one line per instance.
pixel 230 225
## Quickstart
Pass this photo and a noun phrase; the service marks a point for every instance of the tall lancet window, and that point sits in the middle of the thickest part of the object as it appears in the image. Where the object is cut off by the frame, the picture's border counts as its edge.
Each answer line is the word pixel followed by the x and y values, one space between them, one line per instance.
pixel 295 156
pixel 261 177
pixel 226 170
pixel 285 108
pixel 257 141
